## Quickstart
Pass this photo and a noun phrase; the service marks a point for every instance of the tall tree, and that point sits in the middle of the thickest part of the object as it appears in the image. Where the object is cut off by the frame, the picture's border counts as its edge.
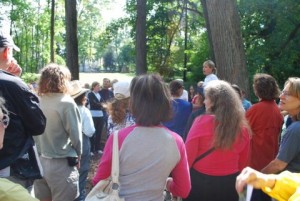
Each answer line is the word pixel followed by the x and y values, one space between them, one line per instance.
pixel 141 47
pixel 71 38
pixel 52 30
pixel 223 24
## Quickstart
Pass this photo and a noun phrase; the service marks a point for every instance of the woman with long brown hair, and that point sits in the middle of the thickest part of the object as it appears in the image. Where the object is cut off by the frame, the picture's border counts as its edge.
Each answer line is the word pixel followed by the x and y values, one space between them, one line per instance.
pixel 224 134
pixel 148 151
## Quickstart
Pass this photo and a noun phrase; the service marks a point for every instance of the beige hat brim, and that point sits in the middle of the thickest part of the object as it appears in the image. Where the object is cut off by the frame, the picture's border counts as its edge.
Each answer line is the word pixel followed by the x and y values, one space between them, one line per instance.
pixel 83 90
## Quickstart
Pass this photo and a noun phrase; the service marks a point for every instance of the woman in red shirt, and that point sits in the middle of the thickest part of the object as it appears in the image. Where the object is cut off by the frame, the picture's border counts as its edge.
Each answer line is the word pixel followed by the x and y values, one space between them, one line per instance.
pixel 225 129
pixel 265 121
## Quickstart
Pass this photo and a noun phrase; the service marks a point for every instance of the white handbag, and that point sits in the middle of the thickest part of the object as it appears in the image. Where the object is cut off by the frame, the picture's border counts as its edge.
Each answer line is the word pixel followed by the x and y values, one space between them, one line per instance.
pixel 108 189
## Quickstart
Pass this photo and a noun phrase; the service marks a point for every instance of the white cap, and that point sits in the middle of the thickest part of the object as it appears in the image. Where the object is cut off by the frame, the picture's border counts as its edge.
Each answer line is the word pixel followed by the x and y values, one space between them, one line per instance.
pixel 121 89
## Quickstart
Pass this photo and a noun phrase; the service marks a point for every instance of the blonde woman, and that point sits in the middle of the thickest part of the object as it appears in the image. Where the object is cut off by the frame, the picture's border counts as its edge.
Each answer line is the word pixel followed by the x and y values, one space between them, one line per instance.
pixel 288 157
pixel 209 70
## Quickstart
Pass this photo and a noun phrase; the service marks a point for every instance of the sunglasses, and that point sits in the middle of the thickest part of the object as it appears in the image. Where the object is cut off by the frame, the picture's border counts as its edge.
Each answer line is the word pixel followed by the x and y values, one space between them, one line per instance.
pixel 5 120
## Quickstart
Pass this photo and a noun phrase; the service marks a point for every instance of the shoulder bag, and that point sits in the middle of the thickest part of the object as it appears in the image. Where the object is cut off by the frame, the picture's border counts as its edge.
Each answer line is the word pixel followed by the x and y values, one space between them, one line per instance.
pixel 203 155
pixel 108 189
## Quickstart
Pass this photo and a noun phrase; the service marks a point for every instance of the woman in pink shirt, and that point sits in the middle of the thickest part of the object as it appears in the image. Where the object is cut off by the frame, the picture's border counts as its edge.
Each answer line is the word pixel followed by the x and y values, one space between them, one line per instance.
pixel 225 129
pixel 148 151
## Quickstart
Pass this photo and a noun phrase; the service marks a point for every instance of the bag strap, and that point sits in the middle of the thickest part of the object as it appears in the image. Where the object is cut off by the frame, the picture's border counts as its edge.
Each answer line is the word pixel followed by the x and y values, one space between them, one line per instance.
pixel 203 155
pixel 115 159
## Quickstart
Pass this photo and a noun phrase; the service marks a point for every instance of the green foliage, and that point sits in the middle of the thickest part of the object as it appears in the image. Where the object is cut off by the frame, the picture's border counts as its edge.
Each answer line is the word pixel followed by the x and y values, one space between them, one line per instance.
pixel 30 28
pixel 165 38
pixel 90 26
pixel 109 60
pixel 272 39
pixel 270 31
pixel 126 58
pixel 30 77
pixel 198 55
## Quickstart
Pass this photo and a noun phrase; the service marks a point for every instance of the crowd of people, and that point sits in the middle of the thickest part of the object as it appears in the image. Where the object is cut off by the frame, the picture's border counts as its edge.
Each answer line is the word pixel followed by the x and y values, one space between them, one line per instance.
pixel 195 144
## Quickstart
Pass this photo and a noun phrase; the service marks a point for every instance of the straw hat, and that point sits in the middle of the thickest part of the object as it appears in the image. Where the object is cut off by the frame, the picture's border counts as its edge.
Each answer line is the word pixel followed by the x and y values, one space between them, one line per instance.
pixel 77 89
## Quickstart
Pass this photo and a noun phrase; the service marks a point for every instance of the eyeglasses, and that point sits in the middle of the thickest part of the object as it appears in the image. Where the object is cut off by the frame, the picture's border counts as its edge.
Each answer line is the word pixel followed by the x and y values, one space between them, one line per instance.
pixel 286 93
pixel 5 120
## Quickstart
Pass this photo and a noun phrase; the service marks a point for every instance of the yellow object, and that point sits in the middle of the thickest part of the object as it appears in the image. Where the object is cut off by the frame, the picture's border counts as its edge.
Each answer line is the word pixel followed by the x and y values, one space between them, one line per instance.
pixel 10 191
pixel 287 187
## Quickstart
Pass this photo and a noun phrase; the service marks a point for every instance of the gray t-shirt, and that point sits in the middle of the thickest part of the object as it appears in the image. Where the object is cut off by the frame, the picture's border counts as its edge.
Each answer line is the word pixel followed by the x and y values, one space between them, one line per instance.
pixel 289 150
pixel 142 170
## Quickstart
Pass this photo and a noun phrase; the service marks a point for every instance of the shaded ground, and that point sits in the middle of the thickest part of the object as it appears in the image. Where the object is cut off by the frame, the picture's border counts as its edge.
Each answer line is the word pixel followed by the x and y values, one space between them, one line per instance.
pixel 94 164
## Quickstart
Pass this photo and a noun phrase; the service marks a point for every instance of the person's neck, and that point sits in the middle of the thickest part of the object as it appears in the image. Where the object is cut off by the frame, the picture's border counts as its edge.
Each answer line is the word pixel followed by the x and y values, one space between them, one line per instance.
pixel 3 65
pixel 294 112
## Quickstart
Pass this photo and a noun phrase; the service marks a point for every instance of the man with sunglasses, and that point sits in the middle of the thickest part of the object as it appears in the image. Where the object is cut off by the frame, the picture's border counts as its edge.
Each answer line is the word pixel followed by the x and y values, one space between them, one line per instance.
pixel 8 189
pixel 26 118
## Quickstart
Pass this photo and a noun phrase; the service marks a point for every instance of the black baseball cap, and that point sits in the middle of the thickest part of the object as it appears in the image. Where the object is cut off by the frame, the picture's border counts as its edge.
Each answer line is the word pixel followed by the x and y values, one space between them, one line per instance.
pixel 7 41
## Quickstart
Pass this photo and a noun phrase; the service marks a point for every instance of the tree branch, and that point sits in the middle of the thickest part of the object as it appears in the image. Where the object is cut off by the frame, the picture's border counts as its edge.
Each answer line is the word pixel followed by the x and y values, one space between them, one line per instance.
pixel 291 36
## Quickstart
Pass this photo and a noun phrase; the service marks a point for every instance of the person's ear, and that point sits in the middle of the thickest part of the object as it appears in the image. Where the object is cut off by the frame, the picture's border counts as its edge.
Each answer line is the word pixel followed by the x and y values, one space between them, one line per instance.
pixel 6 53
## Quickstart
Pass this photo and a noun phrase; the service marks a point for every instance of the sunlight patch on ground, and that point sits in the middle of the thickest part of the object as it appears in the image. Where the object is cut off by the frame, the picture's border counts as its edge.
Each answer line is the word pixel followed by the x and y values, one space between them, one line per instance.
pixel 91 77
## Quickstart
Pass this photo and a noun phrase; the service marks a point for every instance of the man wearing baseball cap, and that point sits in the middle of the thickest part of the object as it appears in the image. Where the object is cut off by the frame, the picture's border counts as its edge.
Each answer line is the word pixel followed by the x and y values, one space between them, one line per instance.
pixel 26 118
pixel 7 61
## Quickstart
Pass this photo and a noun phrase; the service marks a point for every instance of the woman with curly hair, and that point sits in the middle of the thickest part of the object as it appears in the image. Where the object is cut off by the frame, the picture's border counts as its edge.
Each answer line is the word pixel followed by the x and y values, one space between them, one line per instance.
pixel 222 137
pixel 118 108
pixel 60 145
pixel 265 121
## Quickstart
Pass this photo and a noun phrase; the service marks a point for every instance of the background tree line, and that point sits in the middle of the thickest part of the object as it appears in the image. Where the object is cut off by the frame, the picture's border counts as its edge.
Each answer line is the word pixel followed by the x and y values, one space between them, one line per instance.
pixel 178 36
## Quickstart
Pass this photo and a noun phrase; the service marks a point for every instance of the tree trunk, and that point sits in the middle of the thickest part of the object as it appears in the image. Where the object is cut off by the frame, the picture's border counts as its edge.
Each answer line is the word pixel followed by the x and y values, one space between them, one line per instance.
pixel 141 51
pixel 52 31
pixel 71 38
pixel 211 52
pixel 224 31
